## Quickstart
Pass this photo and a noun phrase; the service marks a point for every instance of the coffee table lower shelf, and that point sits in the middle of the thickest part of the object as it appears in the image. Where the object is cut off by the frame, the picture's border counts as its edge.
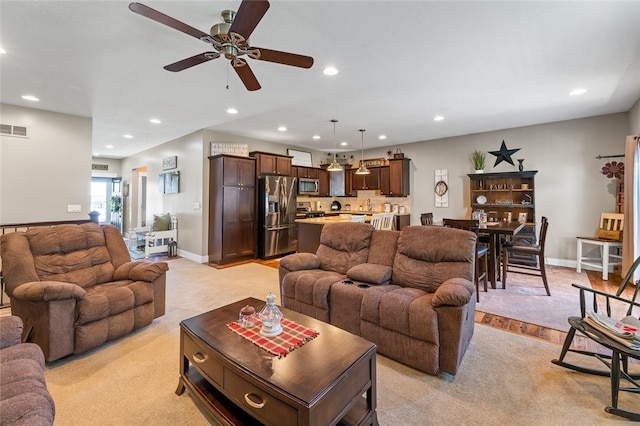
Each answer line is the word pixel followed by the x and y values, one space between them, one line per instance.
pixel 222 409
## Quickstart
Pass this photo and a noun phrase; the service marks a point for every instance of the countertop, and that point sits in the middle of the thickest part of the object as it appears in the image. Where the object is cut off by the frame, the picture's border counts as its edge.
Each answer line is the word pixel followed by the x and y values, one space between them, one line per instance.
pixel 338 218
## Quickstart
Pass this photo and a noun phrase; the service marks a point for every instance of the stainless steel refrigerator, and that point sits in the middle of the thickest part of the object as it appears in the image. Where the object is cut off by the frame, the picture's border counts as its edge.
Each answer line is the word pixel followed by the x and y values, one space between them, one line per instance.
pixel 277 229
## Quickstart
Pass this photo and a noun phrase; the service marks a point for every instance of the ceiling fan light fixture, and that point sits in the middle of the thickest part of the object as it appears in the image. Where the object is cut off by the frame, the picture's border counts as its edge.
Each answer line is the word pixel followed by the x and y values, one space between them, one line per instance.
pixel 362 170
pixel 334 166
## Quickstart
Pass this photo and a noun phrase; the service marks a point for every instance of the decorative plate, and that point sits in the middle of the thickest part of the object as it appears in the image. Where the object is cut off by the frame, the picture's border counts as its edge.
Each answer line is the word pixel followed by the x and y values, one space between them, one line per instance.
pixel 481 199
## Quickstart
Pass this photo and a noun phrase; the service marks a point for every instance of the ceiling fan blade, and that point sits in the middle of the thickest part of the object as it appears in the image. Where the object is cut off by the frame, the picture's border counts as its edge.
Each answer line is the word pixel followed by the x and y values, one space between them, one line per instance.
pixel 160 17
pixel 246 75
pixel 192 61
pixel 248 16
pixel 284 58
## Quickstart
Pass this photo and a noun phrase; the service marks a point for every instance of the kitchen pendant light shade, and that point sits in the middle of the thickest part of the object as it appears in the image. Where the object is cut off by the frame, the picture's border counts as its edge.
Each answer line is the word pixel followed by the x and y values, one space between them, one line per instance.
pixel 362 170
pixel 334 166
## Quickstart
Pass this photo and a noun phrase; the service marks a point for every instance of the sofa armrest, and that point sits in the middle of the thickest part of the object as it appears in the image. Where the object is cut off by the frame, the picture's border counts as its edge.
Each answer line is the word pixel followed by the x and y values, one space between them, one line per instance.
pixel 140 271
pixel 10 331
pixel 453 292
pixel 300 262
pixel 370 273
pixel 44 291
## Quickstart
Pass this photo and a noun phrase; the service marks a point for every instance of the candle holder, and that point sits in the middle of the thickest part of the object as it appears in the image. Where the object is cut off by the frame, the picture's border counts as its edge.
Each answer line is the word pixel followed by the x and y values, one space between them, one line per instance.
pixel 270 316
pixel 520 166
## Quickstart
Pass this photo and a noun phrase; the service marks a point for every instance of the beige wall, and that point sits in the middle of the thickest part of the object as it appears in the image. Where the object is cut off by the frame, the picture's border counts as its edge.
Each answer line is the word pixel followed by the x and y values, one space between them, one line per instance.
pixel 570 188
pixel 42 174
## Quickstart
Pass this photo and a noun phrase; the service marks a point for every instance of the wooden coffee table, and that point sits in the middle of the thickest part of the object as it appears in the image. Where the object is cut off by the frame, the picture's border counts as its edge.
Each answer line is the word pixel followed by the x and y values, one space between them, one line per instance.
pixel 330 380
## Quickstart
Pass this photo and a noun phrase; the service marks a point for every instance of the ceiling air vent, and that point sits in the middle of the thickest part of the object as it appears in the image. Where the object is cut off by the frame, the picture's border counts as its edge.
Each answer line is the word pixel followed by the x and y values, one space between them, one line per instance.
pixel 9 130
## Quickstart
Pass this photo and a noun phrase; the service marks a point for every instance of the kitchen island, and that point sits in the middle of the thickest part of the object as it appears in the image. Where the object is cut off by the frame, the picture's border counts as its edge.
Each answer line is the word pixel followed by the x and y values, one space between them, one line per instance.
pixel 309 229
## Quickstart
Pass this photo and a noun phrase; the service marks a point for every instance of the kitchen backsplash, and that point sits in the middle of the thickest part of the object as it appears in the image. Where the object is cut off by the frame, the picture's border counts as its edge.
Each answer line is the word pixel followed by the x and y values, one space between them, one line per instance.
pixel 376 200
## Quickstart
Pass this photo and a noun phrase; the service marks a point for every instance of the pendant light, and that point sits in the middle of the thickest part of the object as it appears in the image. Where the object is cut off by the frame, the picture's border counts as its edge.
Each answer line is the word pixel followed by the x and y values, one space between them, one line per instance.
pixel 334 166
pixel 362 170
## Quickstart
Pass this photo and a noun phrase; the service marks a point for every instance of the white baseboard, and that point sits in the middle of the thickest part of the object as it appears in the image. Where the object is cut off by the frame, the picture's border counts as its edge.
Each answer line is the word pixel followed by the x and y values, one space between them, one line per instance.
pixel 192 256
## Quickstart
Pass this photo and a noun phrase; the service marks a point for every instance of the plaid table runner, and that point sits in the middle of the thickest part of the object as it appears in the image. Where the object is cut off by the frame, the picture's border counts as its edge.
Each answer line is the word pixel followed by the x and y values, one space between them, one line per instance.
pixel 292 337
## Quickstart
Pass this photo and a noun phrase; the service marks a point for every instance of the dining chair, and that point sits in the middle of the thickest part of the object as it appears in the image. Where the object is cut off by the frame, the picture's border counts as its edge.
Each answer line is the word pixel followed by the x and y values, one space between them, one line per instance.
pixel 482 251
pixel 376 220
pixel 609 248
pixel 524 248
pixel 426 218
pixel 387 221
pixel 358 218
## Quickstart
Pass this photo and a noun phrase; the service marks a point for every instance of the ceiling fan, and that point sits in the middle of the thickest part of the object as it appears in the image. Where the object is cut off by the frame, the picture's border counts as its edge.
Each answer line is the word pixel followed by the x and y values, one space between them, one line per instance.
pixel 229 38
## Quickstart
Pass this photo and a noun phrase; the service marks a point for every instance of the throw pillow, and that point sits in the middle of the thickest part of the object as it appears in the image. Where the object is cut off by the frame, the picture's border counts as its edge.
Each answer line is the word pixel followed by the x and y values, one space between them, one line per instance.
pixel 161 222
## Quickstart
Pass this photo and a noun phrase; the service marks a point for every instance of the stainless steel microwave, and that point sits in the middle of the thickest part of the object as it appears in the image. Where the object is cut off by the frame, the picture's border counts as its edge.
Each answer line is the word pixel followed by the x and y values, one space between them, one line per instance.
pixel 308 186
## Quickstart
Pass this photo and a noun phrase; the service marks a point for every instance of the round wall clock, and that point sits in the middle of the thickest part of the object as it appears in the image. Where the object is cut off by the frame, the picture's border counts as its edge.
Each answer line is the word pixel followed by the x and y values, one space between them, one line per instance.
pixel 441 188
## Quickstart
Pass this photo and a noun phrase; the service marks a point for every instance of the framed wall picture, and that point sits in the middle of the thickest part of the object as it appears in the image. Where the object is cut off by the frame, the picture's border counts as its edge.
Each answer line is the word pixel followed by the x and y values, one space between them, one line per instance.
pixel 170 163
pixel 169 183
pixel 300 158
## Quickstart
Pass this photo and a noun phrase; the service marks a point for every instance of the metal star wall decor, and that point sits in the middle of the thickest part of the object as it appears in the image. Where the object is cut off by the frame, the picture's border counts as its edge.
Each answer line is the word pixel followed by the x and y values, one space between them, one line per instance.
pixel 504 154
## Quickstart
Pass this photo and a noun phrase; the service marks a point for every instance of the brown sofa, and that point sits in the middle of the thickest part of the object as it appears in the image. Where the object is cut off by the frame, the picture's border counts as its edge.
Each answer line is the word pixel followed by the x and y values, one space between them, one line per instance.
pixel 75 286
pixel 24 398
pixel 410 292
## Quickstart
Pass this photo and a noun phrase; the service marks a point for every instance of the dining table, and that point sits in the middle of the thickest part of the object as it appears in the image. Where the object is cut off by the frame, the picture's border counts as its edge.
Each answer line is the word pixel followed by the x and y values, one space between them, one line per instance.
pixel 494 230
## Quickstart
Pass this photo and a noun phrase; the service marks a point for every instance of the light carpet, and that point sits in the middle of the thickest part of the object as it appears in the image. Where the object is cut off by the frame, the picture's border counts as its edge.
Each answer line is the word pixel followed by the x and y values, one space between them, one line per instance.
pixel 525 298
pixel 504 378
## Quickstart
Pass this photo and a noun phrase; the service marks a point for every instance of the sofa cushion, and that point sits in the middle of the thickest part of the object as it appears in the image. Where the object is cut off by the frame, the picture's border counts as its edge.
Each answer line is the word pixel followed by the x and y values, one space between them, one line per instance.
pixel 310 287
pixel 111 299
pixel 370 273
pixel 448 253
pixel 382 249
pixel 343 245
pixel 71 253
pixel 407 311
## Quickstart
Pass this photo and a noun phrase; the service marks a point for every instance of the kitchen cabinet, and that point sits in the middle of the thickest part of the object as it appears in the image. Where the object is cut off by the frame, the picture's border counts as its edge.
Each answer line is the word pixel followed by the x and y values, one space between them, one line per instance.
pixel 385 180
pixel 272 164
pixel 325 186
pixel 509 193
pixel 399 177
pixel 232 196
pixel 306 172
pixel 367 182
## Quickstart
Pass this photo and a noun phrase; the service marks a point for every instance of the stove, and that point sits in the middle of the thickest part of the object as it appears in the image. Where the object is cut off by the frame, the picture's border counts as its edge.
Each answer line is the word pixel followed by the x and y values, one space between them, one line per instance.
pixel 304 210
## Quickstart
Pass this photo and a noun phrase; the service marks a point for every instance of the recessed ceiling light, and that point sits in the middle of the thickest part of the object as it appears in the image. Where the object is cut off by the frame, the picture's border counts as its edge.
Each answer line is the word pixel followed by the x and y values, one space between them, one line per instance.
pixel 576 92
pixel 316 137
pixel 330 71
pixel 382 137
pixel 232 111
pixel 127 136
pixel 155 121
pixel 438 118
pixel 2 50
pixel 109 146
pixel 96 154
pixel 282 129
pixel 344 143
pixel 30 98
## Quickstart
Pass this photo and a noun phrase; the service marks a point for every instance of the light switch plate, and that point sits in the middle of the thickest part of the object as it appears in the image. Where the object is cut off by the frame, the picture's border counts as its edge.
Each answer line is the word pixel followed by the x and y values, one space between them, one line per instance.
pixel 74 208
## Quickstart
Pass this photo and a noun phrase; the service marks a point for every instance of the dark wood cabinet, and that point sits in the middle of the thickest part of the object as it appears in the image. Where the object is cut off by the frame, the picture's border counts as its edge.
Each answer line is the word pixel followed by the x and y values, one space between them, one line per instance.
pixel 306 172
pixel 367 182
pixel 501 195
pixel 399 177
pixel 325 187
pixel 232 197
pixel 385 180
pixel 272 164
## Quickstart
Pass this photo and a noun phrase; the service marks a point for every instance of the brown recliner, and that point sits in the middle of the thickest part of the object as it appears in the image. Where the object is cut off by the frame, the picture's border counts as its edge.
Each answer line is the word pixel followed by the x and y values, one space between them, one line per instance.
pixel 75 286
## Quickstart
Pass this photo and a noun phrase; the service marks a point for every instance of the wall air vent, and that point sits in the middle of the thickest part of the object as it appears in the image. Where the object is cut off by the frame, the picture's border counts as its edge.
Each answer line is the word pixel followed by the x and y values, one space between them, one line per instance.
pixel 101 167
pixel 10 130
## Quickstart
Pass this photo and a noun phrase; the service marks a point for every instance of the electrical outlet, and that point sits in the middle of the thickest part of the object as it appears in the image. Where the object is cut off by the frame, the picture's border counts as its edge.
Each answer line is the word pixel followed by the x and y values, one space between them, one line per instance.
pixel 196 206
pixel 74 208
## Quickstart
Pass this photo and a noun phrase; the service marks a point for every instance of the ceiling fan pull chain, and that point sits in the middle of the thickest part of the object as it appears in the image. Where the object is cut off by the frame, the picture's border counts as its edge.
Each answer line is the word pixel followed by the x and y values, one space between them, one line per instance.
pixel 228 65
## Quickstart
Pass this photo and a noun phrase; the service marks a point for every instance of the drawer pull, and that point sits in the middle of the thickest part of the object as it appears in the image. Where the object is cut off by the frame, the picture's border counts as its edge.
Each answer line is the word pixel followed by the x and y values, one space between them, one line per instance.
pixel 251 403
pixel 199 358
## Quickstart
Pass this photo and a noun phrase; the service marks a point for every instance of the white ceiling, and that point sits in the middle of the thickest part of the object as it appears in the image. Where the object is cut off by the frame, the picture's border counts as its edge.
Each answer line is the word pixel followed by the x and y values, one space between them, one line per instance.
pixel 482 65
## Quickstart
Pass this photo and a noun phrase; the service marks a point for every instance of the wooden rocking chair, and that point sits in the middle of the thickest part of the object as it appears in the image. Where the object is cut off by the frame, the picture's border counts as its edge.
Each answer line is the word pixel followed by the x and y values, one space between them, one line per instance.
pixel 620 353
